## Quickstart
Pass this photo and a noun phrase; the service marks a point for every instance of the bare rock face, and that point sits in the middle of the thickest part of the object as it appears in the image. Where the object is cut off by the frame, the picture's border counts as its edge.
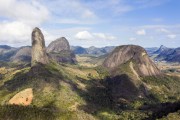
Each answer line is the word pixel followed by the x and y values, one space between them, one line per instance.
pixel 60 44
pixel 127 65
pixel 38 48
pixel 24 97
pixel 59 51
pixel 141 64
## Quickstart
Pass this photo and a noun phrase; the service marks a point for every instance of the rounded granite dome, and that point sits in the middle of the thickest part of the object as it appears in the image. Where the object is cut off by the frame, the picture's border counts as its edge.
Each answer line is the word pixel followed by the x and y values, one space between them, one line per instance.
pixel 60 44
pixel 136 55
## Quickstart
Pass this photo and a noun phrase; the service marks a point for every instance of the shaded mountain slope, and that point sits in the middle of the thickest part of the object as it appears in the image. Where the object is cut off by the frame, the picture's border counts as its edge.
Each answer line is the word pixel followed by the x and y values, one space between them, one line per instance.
pixel 16 55
pixel 79 50
pixel 59 50
pixel 170 55
pixel 127 65
pixel 161 49
pixel 22 55
pixel 126 86
pixel 64 91
pixel 6 52
pixel 137 55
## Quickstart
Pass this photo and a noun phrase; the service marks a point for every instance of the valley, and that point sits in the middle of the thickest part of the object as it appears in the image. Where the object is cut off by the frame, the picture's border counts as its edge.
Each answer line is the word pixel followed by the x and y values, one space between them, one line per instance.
pixel 57 84
pixel 89 60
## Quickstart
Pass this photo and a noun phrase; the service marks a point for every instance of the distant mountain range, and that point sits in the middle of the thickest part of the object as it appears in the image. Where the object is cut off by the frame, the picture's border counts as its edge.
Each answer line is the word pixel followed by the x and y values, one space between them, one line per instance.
pixel 168 54
pixel 11 54
pixel 122 83
pixel 92 50
pixel 163 53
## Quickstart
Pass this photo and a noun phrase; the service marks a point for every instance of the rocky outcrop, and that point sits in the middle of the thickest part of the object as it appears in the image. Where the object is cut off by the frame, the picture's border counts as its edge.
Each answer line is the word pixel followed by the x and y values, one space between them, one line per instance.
pixel 143 65
pixel 24 97
pixel 58 45
pixel 127 64
pixel 59 51
pixel 38 48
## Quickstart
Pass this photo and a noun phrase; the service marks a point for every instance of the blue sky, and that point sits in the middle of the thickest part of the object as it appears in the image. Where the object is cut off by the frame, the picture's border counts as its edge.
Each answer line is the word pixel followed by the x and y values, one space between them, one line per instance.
pixel 148 23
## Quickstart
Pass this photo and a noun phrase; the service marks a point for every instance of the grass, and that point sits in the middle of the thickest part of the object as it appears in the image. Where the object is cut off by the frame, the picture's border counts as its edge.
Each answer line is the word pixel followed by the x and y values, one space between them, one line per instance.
pixel 164 88
pixel 172 116
pixel 14 112
pixel 65 92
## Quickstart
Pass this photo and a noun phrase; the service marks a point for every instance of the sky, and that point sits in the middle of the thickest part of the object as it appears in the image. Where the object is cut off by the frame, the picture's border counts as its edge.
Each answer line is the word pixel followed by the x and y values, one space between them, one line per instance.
pixel 148 23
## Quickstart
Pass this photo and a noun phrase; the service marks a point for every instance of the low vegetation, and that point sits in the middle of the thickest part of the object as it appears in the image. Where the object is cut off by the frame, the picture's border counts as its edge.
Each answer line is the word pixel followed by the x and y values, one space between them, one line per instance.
pixel 66 92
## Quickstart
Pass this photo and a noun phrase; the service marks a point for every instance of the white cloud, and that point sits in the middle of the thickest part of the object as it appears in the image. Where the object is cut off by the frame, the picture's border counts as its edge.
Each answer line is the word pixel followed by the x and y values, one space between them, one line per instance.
pixel 32 13
pixel 19 18
pixel 141 32
pixel 171 36
pixel 15 32
pixel 85 35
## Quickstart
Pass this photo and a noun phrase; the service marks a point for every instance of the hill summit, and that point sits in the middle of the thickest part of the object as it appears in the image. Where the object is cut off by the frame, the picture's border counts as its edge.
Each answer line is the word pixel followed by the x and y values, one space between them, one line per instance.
pixel 128 65
pixel 59 51
pixel 136 55
pixel 58 45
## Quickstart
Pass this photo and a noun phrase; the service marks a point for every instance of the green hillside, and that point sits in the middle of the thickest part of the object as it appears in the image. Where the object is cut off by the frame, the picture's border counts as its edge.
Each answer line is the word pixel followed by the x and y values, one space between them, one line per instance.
pixel 73 92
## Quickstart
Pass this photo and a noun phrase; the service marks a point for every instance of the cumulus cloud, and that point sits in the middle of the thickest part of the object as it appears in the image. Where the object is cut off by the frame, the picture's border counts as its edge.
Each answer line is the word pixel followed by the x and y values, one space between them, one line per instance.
pixel 85 35
pixel 14 32
pixel 141 32
pixel 18 19
pixel 32 13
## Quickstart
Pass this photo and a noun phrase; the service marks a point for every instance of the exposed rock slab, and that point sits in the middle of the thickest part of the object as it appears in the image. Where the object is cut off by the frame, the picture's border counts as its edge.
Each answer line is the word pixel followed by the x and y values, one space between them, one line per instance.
pixel 59 51
pixel 38 48
pixel 24 97
pixel 144 66
pixel 58 45
pixel 127 64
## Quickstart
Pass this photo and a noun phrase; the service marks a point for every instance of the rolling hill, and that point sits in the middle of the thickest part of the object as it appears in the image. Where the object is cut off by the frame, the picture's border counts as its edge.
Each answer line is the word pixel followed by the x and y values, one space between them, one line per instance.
pixel 125 85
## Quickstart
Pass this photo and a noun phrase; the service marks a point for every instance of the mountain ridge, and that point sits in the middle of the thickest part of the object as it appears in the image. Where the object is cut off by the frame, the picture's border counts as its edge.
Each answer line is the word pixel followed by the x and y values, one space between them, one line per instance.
pixel 57 90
